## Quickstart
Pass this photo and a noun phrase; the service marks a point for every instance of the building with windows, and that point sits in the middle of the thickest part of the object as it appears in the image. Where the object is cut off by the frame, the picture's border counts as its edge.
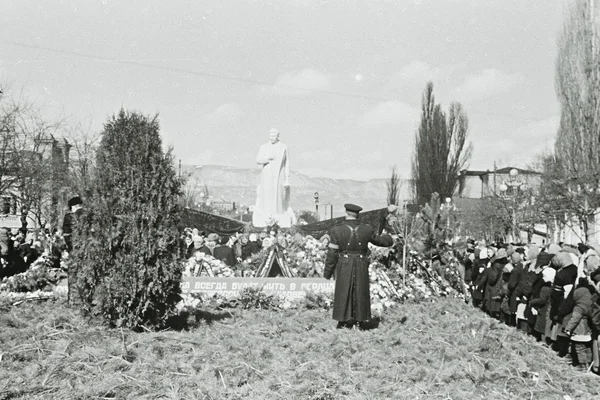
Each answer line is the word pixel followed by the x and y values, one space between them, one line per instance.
pixel 501 200
pixel 481 184
pixel 34 183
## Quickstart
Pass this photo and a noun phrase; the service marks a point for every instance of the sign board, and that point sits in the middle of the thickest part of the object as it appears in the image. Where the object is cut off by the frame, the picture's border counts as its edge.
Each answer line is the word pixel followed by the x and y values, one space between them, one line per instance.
pixel 290 288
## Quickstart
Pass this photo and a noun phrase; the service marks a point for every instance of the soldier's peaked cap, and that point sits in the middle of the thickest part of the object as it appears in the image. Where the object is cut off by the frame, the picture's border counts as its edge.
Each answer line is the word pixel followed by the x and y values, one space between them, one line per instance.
pixel 352 208
pixel 73 201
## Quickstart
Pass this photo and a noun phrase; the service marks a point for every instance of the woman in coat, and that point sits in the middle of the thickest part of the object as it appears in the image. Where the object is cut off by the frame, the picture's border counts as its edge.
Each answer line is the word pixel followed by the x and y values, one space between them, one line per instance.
pixel 516 276
pixel 577 327
pixel 540 305
pixel 479 267
pixel 493 292
pixel 566 276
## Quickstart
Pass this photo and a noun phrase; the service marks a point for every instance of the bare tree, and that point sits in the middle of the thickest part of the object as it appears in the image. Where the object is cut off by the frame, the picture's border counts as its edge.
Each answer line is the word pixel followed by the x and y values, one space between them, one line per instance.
pixel 393 187
pixel 573 173
pixel 190 191
pixel 440 150
pixel 84 142
pixel 30 171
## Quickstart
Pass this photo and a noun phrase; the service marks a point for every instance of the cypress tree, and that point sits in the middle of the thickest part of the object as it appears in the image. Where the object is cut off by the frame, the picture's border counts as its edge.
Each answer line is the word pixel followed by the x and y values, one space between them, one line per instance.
pixel 125 255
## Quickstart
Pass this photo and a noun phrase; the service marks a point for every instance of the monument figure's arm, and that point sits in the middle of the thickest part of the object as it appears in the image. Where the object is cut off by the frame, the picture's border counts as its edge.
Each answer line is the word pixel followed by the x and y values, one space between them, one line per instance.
pixel 333 254
pixel 263 156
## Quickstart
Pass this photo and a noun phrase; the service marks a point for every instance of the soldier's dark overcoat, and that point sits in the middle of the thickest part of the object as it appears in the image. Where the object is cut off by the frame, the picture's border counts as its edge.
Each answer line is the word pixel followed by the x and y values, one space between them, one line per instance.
pixel 347 256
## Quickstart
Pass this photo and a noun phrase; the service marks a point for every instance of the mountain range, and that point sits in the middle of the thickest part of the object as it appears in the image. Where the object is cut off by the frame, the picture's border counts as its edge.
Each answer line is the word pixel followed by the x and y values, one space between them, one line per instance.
pixel 233 184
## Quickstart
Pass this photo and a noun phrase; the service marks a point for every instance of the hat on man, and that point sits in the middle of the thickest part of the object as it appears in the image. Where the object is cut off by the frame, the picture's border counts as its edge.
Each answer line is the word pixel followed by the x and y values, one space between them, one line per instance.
pixel 73 201
pixel 352 208
pixel 213 237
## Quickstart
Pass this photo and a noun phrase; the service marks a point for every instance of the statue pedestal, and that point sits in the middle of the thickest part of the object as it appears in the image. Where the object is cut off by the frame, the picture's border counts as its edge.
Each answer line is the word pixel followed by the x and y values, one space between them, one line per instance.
pixel 285 220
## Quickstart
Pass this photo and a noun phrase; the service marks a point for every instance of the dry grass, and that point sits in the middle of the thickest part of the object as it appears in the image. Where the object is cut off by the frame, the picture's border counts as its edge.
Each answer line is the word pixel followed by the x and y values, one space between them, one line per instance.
pixel 443 350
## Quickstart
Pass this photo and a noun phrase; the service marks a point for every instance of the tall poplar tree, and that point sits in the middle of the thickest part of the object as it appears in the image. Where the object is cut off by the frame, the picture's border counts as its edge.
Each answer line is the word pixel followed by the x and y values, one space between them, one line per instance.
pixel 574 169
pixel 441 150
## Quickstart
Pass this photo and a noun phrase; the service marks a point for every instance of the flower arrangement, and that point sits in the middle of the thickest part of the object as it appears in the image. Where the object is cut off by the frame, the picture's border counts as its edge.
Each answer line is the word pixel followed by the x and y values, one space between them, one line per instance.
pixel 40 276
pixel 207 265
pixel 308 258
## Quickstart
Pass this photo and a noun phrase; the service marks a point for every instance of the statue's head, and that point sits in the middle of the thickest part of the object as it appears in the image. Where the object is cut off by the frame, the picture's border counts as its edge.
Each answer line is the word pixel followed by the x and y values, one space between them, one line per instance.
pixel 274 135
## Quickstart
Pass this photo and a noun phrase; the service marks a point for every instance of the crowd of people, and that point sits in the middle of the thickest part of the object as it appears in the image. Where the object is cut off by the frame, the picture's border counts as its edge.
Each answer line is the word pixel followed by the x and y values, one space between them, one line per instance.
pixel 19 248
pixel 235 248
pixel 549 292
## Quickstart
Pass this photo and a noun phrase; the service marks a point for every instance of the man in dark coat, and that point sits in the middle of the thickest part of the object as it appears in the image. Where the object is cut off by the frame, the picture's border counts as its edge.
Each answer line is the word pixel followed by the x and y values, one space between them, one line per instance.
pixel 493 291
pixel 225 253
pixel 347 256
pixel 76 210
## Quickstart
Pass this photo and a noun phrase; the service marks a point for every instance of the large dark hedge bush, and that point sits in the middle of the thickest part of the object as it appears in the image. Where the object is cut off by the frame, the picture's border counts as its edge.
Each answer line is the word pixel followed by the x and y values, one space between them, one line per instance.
pixel 124 263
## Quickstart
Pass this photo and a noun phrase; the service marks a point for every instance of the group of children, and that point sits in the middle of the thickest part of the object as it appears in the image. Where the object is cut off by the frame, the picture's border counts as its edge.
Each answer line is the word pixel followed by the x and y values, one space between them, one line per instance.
pixel 550 293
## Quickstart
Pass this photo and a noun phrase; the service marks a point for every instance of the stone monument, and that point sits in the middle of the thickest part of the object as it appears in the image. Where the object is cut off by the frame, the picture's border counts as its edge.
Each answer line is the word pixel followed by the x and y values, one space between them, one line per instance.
pixel 273 192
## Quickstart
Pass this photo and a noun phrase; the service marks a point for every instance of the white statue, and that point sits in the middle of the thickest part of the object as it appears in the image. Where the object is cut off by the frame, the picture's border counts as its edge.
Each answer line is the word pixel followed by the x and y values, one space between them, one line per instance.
pixel 273 192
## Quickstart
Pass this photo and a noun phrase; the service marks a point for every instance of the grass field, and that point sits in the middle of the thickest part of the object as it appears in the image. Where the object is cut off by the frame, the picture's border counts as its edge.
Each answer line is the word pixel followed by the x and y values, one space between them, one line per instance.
pixel 443 350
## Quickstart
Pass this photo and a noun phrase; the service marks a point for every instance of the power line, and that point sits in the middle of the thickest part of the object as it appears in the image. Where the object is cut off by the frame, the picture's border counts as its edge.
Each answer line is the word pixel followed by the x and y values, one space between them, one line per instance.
pixel 139 63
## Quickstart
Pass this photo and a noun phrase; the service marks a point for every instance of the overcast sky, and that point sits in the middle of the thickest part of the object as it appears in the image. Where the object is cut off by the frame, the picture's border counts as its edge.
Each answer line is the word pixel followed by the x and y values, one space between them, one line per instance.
pixel 342 80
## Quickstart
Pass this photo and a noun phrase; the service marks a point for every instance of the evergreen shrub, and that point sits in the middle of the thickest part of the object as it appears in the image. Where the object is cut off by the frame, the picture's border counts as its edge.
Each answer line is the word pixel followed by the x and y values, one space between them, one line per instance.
pixel 125 259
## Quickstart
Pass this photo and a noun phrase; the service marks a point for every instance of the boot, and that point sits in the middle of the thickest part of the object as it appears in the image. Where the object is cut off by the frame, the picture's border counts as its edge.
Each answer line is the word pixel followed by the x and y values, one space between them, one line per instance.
pixel 345 324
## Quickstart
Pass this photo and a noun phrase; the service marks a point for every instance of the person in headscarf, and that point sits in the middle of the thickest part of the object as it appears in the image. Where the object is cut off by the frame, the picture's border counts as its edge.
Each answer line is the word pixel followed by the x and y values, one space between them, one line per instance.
pixel 576 325
pixel 483 279
pixel 540 306
pixel 254 246
pixel 535 282
pixel 516 276
pixel 525 288
pixel 566 276
pixel 589 259
pixel 553 248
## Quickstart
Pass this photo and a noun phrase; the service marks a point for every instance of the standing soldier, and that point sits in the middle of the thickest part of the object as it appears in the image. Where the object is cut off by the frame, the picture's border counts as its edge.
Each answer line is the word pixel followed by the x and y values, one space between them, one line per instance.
pixel 347 255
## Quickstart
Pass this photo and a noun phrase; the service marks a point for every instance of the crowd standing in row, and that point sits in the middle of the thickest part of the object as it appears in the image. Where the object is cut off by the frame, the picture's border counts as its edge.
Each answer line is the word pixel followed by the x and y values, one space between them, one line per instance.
pixel 233 249
pixel 549 292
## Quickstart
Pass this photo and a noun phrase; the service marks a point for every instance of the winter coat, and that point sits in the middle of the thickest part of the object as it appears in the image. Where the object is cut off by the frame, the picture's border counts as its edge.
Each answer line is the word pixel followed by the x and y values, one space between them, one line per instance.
pixel 542 304
pixel 225 254
pixel 577 321
pixel 478 278
pixel 481 286
pixel 516 276
pixel 493 291
pixel 253 247
pixel 523 285
pixel 505 307
pixel 347 257
pixel 468 269
pixel 536 286
pixel 564 277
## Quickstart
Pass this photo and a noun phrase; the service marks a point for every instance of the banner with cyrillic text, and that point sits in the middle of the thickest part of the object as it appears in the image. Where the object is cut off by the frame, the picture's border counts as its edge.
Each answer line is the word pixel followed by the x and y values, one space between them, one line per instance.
pixel 291 288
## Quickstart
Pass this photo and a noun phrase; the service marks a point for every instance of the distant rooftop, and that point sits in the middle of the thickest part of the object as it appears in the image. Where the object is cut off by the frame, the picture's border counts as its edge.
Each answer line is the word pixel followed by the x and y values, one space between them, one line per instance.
pixel 504 170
